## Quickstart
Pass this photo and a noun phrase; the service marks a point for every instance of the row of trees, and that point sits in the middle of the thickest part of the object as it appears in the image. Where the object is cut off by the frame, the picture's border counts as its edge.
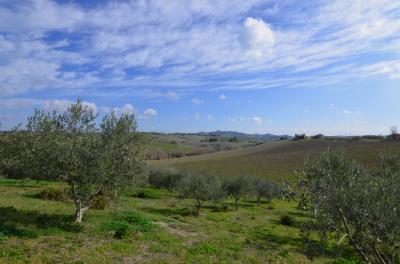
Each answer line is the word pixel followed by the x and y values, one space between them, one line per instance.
pixel 203 187
pixel 93 159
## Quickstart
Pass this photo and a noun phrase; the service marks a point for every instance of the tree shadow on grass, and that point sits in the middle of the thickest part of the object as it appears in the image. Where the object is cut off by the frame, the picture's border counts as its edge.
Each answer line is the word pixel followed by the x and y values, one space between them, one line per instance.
pixel 28 223
pixel 168 211
pixel 267 240
pixel 303 214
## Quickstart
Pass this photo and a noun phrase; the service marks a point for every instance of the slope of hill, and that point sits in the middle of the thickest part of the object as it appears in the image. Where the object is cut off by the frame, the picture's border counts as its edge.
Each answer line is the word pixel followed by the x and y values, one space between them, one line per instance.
pixel 276 159
pixel 161 145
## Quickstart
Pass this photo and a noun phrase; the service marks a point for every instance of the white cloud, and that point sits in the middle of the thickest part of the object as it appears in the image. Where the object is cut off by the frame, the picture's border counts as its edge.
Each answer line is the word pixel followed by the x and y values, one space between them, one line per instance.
pixel 148 113
pixel 172 95
pixel 222 97
pixel 257 120
pixel 249 120
pixel 197 101
pixel 49 105
pixel 113 38
pixel 62 105
pixel 257 37
pixel 197 116
pixel 210 117
pixel 125 109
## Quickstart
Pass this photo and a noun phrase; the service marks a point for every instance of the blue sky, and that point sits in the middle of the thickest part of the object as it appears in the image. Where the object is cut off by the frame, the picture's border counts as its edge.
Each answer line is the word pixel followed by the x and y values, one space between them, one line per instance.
pixel 268 66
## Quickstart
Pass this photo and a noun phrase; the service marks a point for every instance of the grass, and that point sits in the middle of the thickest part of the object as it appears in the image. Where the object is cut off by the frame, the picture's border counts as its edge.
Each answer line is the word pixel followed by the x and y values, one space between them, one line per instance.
pixel 154 229
pixel 146 226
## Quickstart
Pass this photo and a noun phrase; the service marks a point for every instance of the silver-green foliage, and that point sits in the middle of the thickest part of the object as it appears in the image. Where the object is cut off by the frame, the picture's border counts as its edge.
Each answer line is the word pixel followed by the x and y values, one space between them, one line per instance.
pixel 264 189
pixel 360 204
pixel 237 187
pixel 93 160
pixel 201 187
pixel 168 178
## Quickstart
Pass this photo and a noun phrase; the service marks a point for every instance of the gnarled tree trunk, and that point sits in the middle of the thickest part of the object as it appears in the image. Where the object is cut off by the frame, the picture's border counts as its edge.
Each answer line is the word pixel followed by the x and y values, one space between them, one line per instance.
pixel 80 210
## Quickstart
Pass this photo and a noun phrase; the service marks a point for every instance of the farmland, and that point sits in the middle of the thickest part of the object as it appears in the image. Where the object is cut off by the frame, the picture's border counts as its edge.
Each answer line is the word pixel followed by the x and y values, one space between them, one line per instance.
pixel 147 225
pixel 276 160
pixel 160 145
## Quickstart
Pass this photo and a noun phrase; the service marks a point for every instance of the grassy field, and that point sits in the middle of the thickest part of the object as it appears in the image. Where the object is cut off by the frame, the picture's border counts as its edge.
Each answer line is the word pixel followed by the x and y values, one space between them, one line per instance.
pixel 162 231
pixel 276 160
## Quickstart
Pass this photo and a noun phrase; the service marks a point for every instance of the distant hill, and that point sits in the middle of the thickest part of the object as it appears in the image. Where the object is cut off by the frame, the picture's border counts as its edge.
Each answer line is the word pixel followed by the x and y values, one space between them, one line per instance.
pixel 220 133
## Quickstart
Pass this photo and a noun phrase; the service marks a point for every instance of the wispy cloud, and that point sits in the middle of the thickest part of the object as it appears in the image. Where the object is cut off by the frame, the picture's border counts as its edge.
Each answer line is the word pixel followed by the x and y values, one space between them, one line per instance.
pixel 349 112
pixel 49 45
pixel 197 101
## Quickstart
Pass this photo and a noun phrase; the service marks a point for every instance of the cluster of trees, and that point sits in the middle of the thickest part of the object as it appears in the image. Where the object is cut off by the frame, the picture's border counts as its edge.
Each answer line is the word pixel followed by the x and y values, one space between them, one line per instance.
pixel 203 186
pixel 359 204
pixel 93 159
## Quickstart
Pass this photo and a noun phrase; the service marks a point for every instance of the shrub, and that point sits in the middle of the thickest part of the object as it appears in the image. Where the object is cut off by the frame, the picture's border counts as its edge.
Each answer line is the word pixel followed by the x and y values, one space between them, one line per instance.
pixel 346 261
pixel 121 229
pixel 101 202
pixel 54 193
pixel 3 237
pixel 141 194
pixel 127 222
pixel 137 221
pixel 287 220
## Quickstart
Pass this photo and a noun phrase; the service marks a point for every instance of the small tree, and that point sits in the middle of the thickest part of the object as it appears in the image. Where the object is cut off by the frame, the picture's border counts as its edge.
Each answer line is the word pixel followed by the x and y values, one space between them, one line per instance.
pixel 236 187
pixel 201 187
pixel 264 189
pixel 394 133
pixel 68 146
pixel 168 178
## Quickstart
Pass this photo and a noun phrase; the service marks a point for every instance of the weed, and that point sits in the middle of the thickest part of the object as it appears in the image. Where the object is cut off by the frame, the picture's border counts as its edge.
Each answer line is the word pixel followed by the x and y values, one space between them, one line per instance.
pixel 138 222
pixel 287 220
pixel 54 193
pixel 101 202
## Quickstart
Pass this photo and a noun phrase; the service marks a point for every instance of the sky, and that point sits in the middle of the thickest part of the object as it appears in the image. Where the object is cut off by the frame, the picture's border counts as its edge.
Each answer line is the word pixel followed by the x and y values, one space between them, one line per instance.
pixel 255 66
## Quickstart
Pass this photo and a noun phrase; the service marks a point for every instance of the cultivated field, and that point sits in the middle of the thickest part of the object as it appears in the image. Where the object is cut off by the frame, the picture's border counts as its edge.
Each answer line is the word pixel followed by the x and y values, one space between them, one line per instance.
pixel 276 160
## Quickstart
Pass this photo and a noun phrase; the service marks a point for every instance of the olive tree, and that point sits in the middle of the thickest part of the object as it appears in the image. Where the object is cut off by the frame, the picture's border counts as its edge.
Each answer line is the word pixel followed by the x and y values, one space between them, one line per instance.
pixel 201 187
pixel 237 187
pixel 360 204
pixel 168 178
pixel 93 160
pixel 264 189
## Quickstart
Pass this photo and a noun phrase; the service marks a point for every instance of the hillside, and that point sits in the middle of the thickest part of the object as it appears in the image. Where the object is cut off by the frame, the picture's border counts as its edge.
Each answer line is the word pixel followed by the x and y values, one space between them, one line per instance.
pixel 161 145
pixel 275 159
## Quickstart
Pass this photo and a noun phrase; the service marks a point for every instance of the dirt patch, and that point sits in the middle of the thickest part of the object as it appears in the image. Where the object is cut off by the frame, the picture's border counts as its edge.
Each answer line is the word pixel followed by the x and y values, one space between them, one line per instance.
pixel 176 231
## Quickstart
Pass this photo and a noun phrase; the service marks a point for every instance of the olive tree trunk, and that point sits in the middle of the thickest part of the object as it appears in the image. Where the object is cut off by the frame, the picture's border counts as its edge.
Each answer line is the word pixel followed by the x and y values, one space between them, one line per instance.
pixel 80 210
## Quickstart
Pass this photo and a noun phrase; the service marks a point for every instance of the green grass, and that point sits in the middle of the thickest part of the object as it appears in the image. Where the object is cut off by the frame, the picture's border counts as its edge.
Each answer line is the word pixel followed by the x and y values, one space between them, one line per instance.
pixel 146 226
pixel 153 229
